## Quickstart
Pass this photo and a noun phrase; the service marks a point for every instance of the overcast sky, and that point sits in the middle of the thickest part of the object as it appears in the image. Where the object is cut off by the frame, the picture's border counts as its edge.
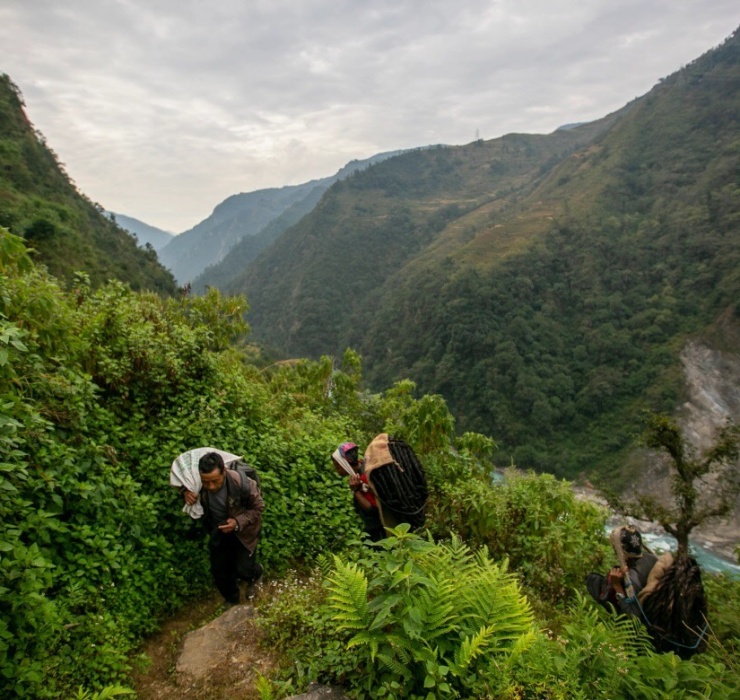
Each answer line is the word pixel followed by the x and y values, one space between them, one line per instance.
pixel 160 109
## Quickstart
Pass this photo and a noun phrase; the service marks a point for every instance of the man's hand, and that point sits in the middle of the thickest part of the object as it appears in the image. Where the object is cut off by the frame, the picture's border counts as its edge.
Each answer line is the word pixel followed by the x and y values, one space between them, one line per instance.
pixel 191 498
pixel 228 526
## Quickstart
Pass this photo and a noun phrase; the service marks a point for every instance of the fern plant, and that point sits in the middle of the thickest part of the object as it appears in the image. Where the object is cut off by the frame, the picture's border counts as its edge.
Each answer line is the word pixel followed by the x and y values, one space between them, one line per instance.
pixel 426 617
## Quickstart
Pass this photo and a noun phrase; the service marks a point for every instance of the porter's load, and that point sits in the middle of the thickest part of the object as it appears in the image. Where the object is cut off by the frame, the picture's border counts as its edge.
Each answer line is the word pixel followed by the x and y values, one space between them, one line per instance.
pixel 397 478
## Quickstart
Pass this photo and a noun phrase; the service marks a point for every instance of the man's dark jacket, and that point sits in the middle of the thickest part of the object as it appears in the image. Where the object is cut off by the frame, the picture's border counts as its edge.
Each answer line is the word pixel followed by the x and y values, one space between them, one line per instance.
pixel 246 508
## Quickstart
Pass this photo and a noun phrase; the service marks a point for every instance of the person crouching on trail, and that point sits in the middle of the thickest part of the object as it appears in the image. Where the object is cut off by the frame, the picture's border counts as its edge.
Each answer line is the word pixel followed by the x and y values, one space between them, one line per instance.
pixel 232 515
pixel 347 463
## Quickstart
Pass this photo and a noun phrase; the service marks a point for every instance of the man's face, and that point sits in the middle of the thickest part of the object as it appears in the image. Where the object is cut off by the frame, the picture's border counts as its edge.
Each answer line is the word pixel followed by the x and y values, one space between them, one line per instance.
pixel 213 481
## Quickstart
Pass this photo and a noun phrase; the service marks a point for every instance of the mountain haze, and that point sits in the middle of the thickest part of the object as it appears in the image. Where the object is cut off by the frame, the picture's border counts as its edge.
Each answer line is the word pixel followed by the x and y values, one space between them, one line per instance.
pixel 144 233
pixel 68 232
pixel 543 284
pixel 261 215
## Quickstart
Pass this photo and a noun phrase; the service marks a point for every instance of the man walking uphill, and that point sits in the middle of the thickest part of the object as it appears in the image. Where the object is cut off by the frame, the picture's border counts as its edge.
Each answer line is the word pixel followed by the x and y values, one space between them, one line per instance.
pixel 232 515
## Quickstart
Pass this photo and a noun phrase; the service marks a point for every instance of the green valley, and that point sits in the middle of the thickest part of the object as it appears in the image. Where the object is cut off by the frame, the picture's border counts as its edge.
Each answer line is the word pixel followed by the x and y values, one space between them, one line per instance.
pixel 544 285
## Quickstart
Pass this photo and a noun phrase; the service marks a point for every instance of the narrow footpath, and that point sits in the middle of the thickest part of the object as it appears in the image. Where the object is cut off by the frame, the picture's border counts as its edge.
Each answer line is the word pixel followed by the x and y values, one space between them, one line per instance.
pixel 204 653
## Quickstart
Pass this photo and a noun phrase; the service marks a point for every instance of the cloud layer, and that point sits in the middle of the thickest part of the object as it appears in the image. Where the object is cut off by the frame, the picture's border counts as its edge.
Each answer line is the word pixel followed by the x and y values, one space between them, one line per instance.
pixel 161 109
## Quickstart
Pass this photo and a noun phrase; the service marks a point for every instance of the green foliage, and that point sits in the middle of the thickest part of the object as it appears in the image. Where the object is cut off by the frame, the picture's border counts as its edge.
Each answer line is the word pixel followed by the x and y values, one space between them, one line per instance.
pixel 548 536
pixel 415 619
pixel 296 622
pixel 99 392
pixel 424 617
pixel 602 656
pixel 723 597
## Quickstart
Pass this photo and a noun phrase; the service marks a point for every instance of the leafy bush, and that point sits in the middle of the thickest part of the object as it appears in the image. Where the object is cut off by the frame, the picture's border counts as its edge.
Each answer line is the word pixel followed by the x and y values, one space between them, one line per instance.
pixel 328 635
pixel 550 537
pixel 99 391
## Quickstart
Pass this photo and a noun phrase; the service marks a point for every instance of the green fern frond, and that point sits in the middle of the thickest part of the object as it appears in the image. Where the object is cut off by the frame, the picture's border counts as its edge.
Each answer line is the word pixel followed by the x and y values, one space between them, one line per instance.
pixel 402 646
pixel 366 638
pixel 470 649
pixel 438 608
pixel 348 596
pixel 522 644
pixel 325 563
pixel 395 666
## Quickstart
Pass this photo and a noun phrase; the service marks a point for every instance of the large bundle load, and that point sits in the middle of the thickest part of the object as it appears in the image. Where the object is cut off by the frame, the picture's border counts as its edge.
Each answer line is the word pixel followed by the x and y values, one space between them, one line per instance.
pixel 671 603
pixel 397 478
pixel 675 607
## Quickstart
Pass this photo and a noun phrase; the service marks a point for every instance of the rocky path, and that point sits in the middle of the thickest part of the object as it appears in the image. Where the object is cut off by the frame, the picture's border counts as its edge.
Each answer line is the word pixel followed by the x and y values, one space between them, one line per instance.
pixel 204 653
pixel 209 652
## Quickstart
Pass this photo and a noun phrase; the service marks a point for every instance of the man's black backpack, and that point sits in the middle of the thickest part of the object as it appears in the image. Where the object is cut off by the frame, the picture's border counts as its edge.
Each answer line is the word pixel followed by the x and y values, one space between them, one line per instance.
pixel 245 470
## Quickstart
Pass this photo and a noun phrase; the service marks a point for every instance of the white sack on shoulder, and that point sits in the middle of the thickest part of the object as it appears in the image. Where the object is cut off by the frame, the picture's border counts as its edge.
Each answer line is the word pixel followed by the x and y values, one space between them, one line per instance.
pixel 184 472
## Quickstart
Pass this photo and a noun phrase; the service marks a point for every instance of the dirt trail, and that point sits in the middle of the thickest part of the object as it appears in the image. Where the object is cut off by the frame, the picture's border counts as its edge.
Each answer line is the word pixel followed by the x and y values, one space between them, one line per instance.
pixel 232 678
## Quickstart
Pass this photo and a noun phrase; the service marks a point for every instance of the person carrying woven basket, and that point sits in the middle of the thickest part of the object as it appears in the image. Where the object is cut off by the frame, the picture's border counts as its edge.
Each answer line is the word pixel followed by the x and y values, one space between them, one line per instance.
pixel 347 463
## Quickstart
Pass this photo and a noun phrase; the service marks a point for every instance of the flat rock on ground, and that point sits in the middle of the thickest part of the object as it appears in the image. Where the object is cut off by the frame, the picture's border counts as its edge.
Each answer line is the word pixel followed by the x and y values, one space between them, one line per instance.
pixel 201 655
pixel 221 639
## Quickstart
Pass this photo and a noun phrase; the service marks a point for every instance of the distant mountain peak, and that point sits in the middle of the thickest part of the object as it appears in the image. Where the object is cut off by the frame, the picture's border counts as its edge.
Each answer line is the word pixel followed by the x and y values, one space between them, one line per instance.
pixel 144 233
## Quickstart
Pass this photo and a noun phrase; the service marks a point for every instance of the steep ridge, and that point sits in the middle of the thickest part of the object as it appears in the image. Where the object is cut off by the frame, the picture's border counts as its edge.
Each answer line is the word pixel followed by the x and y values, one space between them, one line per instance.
pixel 249 247
pixel 68 231
pixel 543 284
pixel 238 216
pixel 331 267
pixel 262 215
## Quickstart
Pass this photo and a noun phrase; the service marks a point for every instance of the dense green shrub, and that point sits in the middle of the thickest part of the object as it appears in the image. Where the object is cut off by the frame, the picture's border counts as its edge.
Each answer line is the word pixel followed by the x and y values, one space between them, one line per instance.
pixel 411 618
pixel 357 631
pixel 101 389
pixel 550 537
pixel 99 392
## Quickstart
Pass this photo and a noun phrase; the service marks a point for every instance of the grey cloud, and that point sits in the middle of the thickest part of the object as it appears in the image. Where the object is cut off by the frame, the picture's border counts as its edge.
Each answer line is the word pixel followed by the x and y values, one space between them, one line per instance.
pixel 162 108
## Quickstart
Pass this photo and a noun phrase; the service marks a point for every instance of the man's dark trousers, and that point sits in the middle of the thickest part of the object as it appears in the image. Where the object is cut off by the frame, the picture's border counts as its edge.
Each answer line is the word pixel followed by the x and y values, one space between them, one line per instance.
pixel 231 561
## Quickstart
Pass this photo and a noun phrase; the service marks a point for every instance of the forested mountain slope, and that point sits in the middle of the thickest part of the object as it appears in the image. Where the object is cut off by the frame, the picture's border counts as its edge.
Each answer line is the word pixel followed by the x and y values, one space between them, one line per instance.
pixel 333 264
pixel 543 284
pixel 68 231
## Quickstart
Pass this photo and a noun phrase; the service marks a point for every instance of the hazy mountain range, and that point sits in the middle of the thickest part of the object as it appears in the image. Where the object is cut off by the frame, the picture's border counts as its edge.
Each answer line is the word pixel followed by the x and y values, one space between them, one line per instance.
pixel 262 216
pixel 144 233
